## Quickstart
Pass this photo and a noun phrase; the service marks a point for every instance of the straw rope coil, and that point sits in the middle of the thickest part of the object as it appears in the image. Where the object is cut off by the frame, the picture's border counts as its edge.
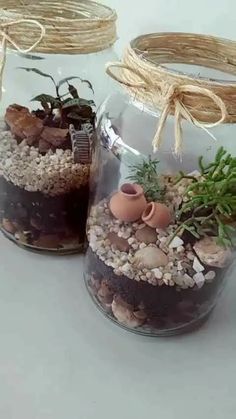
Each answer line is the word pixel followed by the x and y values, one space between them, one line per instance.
pixel 203 102
pixel 71 27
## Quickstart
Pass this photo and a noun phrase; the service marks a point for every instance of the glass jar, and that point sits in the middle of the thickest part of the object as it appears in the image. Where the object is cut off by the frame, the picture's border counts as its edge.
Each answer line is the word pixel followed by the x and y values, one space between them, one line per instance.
pixel 48 110
pixel 160 227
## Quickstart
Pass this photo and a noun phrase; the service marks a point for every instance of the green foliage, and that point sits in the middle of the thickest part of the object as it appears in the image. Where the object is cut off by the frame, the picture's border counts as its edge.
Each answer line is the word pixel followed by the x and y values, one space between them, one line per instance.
pixel 145 174
pixel 211 204
pixel 66 101
pixel 77 102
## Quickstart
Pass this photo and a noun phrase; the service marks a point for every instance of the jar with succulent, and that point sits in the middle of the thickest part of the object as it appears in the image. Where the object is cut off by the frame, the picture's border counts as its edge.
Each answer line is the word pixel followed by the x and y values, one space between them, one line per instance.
pixel 162 246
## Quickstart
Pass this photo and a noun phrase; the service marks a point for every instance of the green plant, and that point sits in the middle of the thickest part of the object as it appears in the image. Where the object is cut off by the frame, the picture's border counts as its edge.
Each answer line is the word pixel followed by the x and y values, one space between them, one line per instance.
pixel 145 174
pixel 211 200
pixel 69 104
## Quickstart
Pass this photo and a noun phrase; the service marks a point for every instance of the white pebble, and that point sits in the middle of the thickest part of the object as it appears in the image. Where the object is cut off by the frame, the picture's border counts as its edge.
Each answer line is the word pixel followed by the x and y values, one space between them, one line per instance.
pixel 199 279
pixel 142 245
pixel 176 242
pixel 197 266
pixel 157 273
pixel 210 275
pixel 131 240
pixel 180 249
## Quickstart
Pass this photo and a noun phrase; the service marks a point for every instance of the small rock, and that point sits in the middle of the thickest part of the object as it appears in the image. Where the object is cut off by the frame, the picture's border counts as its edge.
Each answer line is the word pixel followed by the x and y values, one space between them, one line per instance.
pixel 123 312
pixel 167 278
pixel 157 272
pixel 119 243
pixel 142 245
pixel 199 279
pixel 190 256
pixel 105 292
pixel 210 275
pixel 127 270
pixel 188 280
pixel 8 226
pixel 146 235
pixel 44 146
pixel 140 314
pixel 211 253
pixel 180 249
pixel 131 240
pixel 176 242
pixel 179 266
pixel 150 258
pixel 55 136
pixel 197 266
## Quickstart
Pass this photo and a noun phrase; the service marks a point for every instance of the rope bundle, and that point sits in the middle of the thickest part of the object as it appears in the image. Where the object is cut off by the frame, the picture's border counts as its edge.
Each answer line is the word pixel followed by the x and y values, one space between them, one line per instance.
pixel 70 27
pixel 203 102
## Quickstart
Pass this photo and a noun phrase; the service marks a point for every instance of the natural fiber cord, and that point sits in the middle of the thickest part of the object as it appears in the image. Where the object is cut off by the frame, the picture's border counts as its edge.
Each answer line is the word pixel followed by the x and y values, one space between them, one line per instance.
pixel 203 102
pixel 71 27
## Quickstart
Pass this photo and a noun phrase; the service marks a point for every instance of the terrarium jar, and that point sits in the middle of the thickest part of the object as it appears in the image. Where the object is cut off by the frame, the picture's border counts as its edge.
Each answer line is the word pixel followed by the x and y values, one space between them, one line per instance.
pixel 166 151
pixel 54 55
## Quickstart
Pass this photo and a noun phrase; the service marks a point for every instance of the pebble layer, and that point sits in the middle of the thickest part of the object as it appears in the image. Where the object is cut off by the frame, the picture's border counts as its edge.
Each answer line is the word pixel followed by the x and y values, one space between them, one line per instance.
pixel 51 174
pixel 183 269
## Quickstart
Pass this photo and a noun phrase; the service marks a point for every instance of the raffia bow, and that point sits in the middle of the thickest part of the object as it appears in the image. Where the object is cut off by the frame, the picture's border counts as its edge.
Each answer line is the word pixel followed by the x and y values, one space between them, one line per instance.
pixel 6 39
pixel 169 98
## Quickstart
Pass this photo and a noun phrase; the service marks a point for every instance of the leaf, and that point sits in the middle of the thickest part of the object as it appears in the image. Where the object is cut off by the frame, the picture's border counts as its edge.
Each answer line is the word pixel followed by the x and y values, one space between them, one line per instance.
pixel 30 56
pixel 43 98
pixel 74 115
pixel 65 80
pixel 77 102
pixel 35 70
pixel 73 91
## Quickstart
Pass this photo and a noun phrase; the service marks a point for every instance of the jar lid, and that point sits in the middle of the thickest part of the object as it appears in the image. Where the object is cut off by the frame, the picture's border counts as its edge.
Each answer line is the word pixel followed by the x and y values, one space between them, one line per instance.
pixel 204 102
pixel 58 26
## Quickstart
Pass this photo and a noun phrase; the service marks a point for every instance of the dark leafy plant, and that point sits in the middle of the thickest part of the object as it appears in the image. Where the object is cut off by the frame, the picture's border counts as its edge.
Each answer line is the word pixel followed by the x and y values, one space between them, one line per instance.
pixel 211 200
pixel 145 174
pixel 70 105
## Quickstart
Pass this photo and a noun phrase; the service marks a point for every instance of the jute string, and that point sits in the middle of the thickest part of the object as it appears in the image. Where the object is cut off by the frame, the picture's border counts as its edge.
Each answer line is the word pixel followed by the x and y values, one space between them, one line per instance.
pixel 66 27
pixel 71 27
pixel 203 102
pixel 6 39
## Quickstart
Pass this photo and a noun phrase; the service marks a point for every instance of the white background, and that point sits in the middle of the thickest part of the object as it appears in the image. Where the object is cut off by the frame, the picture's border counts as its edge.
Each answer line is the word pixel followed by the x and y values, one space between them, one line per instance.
pixel 61 359
pixel 212 17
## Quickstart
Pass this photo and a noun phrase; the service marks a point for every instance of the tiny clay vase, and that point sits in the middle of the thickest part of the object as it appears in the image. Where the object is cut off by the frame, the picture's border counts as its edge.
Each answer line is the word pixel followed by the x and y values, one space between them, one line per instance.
pixel 128 203
pixel 156 215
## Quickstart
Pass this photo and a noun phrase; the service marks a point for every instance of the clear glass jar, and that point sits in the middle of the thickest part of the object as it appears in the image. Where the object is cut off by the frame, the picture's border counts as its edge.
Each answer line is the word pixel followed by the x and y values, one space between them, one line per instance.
pixel 152 266
pixel 47 121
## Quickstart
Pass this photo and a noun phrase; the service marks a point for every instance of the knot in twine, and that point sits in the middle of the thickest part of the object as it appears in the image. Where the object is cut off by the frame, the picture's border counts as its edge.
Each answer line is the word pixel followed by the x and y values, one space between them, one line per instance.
pixel 7 39
pixel 168 98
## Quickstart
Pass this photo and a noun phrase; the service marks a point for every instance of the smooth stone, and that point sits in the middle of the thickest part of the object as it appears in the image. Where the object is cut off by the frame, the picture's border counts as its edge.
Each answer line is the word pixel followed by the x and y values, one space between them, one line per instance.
pixel 211 253
pixel 150 258
pixel 146 235
pixel 123 312
pixel 210 275
pixel 120 244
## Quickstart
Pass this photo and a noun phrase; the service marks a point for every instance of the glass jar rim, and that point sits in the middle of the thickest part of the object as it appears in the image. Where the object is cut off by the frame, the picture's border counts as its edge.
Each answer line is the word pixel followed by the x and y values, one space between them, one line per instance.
pixel 196 49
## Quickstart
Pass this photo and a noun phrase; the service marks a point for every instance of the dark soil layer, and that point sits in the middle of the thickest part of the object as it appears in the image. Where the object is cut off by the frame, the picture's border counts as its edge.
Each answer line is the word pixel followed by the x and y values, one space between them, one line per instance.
pixel 165 306
pixel 38 214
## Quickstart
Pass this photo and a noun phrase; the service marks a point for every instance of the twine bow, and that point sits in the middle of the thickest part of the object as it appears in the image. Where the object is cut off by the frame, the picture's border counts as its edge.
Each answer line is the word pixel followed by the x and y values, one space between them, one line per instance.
pixel 170 99
pixel 6 38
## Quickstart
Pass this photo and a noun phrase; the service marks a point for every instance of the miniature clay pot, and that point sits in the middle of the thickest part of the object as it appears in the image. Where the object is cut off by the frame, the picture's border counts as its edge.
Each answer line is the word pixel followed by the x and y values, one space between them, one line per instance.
pixel 156 215
pixel 128 203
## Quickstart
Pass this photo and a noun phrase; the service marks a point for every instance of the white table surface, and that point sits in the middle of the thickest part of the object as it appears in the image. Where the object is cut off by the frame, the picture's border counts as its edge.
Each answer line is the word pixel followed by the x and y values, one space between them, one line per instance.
pixel 61 359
